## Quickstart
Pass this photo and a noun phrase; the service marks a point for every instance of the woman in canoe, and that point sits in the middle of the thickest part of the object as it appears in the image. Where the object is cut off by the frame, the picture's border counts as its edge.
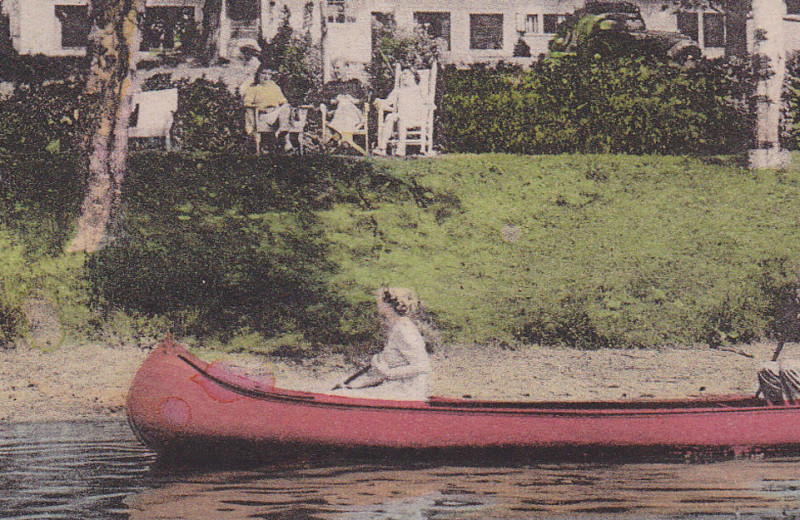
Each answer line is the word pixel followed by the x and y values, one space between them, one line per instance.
pixel 402 369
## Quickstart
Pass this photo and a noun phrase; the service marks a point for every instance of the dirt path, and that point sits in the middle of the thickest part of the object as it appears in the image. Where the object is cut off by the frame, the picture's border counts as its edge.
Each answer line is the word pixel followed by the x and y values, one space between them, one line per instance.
pixel 90 381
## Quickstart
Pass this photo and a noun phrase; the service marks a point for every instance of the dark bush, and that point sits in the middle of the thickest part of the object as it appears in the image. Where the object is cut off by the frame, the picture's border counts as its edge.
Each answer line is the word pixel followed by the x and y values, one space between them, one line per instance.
pixel 40 196
pixel 41 118
pixel 790 135
pixel 214 239
pixel 210 118
pixel 626 105
pixel 223 243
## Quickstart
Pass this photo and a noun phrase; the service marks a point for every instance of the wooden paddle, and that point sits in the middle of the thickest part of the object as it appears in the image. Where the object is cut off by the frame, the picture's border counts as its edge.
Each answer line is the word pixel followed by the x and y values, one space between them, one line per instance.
pixel 352 378
pixel 777 353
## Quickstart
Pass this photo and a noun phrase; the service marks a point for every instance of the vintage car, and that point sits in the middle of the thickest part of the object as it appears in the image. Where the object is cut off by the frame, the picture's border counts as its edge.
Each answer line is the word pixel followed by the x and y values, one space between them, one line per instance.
pixel 617 28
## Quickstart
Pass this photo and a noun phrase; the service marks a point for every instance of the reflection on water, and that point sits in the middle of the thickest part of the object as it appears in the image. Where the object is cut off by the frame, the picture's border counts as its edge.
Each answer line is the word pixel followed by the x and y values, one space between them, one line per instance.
pixel 731 489
pixel 97 470
pixel 69 470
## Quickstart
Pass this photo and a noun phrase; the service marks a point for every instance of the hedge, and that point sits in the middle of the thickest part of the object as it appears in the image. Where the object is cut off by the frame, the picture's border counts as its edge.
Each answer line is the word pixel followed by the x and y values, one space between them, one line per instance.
pixel 625 105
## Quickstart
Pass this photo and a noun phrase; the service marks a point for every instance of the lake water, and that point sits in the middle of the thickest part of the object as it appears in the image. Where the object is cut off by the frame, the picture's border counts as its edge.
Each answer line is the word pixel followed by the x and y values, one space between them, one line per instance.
pixel 97 470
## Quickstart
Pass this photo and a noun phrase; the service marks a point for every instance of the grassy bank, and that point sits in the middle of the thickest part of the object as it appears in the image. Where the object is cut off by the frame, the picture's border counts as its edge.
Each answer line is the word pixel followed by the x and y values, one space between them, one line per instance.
pixel 627 251
pixel 588 250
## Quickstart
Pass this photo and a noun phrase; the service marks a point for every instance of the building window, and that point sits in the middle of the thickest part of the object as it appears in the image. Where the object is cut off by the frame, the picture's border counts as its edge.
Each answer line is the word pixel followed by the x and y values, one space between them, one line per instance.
pixel 486 31
pixel 336 12
pixel 688 25
pixel 74 25
pixel 792 6
pixel 532 24
pixel 167 28
pixel 437 25
pixel 713 30
pixel 243 10
pixel 550 22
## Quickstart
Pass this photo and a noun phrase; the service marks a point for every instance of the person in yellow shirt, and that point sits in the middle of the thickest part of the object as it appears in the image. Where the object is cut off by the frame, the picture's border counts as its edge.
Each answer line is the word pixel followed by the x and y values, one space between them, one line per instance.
pixel 264 100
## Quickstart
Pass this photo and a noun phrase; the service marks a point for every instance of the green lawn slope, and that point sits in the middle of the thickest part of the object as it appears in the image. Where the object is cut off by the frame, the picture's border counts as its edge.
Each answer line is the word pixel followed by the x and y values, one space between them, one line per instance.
pixel 582 250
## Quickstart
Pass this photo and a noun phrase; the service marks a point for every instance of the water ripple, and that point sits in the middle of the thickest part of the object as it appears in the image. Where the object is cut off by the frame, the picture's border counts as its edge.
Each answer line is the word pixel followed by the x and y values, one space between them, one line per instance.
pixel 99 471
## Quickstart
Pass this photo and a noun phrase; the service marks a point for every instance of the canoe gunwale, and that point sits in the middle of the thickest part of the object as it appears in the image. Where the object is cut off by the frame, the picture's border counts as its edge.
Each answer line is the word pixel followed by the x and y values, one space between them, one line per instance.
pixel 711 404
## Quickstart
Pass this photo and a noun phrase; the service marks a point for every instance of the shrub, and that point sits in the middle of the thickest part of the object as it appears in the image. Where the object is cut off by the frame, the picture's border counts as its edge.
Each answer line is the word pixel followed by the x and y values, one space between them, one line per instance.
pixel 625 105
pixel 13 270
pixel 296 61
pixel 224 243
pixel 210 118
pixel 41 118
pixel 413 49
pixel 790 133
pixel 40 196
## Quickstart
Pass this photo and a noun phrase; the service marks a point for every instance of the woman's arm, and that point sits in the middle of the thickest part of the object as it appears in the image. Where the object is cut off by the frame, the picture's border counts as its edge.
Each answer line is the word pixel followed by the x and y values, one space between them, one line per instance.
pixel 401 372
pixel 389 102
pixel 407 343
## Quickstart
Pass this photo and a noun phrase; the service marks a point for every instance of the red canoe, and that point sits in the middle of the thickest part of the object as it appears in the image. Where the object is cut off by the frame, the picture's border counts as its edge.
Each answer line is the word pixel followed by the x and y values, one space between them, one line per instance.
pixel 177 401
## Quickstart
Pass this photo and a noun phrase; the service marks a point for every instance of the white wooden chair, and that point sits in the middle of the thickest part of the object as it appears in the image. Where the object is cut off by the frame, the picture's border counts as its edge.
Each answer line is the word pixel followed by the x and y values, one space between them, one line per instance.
pixel 346 138
pixel 420 135
pixel 153 112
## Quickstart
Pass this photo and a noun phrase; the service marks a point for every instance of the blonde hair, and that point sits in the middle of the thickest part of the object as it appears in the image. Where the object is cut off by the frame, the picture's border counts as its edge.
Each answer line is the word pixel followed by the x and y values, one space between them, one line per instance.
pixel 405 303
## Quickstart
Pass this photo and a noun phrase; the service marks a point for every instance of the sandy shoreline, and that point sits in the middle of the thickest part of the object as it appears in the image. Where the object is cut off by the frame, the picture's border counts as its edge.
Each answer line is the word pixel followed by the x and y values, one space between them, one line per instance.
pixel 91 381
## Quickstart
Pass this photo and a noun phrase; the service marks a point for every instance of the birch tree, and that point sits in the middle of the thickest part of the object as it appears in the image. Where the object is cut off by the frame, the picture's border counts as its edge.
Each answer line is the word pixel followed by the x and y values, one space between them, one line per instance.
pixel 113 45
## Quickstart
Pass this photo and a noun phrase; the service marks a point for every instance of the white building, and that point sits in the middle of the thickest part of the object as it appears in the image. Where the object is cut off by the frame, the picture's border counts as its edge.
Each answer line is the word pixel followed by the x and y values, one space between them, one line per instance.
pixel 472 30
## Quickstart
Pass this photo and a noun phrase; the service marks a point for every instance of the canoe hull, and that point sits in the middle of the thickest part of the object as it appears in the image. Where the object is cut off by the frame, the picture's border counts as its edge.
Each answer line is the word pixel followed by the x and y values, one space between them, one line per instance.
pixel 177 400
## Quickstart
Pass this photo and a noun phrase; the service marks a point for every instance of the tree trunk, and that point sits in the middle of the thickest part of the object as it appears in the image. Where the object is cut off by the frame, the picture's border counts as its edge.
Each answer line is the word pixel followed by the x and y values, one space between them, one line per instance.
pixel 212 10
pixel 113 45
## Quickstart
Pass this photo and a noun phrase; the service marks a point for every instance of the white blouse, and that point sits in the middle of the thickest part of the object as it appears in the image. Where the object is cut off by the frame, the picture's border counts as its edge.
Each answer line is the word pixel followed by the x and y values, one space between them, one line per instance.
pixel 401 370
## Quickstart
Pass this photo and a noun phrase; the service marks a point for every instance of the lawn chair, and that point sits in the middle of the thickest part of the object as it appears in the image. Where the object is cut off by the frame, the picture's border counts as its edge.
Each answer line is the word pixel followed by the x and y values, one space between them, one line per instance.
pixel 346 138
pixel 420 135
pixel 153 114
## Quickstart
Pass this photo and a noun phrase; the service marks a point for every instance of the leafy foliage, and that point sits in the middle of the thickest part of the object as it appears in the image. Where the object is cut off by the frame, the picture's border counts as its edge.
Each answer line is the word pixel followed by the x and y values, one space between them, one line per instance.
pixel 790 133
pixel 210 118
pixel 413 49
pixel 296 61
pixel 625 105
pixel 40 195
pixel 219 244
pixel 41 118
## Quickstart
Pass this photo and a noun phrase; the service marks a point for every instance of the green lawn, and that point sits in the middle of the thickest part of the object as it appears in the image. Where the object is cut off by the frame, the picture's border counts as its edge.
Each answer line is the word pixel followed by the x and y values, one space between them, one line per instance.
pixel 590 250
pixel 626 251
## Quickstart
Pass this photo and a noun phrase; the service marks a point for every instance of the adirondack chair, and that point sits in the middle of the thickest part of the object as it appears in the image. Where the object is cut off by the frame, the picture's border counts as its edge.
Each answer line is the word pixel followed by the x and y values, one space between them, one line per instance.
pixel 153 114
pixel 398 134
pixel 330 131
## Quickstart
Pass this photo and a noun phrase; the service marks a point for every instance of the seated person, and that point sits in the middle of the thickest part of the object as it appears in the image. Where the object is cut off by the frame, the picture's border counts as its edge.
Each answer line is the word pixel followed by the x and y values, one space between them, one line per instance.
pixel 779 382
pixel 265 100
pixel 402 369
pixel 345 92
pixel 410 108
